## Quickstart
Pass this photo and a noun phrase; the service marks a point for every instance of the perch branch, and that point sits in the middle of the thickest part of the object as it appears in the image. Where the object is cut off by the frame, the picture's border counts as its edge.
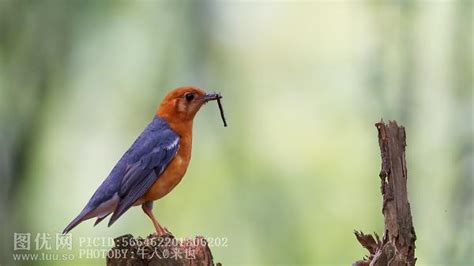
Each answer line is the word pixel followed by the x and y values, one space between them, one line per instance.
pixel 163 250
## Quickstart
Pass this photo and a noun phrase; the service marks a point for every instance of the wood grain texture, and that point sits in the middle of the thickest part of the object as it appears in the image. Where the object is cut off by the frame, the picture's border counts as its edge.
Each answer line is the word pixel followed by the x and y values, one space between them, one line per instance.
pixel 397 246
pixel 163 250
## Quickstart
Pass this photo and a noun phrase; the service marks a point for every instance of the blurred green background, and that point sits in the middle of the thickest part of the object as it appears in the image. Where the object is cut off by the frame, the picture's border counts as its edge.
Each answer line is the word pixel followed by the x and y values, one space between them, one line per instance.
pixel 303 82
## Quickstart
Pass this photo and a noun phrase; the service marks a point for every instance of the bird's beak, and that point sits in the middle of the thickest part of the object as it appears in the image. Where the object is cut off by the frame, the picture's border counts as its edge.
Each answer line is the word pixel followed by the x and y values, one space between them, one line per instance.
pixel 211 96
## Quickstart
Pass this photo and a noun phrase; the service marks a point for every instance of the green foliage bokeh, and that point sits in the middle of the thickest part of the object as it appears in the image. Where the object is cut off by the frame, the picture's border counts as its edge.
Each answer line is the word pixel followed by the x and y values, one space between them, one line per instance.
pixel 303 83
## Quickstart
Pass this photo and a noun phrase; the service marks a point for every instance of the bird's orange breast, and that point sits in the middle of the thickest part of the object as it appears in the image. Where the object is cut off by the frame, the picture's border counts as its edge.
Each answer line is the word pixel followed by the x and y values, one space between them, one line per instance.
pixel 172 174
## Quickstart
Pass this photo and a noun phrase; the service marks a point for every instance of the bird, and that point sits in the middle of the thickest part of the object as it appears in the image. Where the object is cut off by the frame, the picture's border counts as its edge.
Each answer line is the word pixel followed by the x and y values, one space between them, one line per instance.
pixel 153 165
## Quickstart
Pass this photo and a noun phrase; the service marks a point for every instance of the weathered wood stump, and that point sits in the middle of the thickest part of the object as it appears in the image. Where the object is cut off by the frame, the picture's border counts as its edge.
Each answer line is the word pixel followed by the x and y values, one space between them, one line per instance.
pixel 159 250
pixel 397 246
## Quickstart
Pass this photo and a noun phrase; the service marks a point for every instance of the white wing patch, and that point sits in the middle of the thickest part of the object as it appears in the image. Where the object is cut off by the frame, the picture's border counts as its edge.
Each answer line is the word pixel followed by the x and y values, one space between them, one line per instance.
pixel 173 144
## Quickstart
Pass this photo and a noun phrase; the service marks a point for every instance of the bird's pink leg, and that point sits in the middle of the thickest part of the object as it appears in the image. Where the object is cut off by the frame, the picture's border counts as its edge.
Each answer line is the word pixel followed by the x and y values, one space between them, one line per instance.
pixel 147 208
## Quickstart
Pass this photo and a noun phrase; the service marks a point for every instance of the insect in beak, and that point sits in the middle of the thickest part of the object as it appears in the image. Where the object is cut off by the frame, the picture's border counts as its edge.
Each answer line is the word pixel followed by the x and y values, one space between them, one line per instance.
pixel 211 96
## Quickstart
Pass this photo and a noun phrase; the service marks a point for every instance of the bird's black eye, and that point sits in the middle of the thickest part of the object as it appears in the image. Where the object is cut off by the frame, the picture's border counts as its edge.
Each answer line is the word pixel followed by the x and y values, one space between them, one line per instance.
pixel 189 96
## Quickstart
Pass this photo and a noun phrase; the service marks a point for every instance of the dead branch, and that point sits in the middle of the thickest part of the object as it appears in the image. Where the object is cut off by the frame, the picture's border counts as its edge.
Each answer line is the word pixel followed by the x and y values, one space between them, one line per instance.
pixel 163 250
pixel 398 244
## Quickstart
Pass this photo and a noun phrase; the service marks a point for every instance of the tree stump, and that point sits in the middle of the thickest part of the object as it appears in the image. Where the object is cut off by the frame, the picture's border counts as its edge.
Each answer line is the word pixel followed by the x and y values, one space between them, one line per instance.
pixel 159 250
pixel 398 244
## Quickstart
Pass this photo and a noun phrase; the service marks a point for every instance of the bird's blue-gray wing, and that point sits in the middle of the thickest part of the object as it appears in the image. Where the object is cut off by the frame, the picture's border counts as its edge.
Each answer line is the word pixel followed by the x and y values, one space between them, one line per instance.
pixel 135 172
pixel 141 175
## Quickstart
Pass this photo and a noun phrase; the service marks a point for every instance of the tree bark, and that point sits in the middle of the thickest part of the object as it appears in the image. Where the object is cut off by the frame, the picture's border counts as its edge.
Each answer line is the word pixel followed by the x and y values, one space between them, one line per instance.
pixel 398 244
pixel 159 250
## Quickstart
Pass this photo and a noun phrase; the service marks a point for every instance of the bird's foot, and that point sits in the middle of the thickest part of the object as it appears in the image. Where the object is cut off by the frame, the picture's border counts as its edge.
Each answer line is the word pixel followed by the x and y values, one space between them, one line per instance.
pixel 167 232
pixel 163 231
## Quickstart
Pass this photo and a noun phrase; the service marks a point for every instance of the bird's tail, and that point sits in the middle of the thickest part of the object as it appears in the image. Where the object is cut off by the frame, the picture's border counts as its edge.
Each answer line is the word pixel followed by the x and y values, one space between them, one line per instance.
pixel 99 219
pixel 80 218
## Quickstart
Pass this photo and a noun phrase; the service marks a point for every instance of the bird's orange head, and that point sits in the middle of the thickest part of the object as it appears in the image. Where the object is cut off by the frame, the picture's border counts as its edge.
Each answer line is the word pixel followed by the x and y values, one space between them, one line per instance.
pixel 181 104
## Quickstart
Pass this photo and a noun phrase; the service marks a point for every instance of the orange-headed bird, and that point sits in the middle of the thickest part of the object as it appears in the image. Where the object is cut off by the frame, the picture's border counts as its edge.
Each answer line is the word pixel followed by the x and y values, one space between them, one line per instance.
pixel 154 164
